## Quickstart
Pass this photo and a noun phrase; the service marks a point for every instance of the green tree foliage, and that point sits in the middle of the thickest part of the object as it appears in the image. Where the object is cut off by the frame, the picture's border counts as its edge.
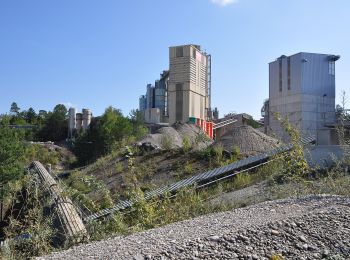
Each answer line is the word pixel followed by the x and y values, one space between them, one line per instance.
pixel 31 116
pixel 106 133
pixel 48 126
pixel 296 165
pixel 114 127
pixel 42 116
pixel 14 108
pixel 55 125
pixel 138 123
pixel 11 156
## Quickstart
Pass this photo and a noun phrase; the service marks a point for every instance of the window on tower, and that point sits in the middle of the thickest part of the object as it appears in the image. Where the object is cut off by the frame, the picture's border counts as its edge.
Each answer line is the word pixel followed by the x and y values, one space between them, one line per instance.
pixel 331 68
pixel 179 51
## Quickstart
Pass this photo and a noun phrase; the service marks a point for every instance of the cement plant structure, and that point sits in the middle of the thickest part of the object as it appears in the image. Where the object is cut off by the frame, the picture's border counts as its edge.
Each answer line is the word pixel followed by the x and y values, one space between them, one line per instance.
pixel 78 122
pixel 302 88
pixel 183 91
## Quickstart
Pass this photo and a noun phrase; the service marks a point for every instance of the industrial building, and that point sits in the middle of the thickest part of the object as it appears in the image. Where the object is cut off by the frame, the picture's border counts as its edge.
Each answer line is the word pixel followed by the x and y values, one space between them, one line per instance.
pixel 183 91
pixel 189 87
pixel 302 88
pixel 154 104
pixel 78 122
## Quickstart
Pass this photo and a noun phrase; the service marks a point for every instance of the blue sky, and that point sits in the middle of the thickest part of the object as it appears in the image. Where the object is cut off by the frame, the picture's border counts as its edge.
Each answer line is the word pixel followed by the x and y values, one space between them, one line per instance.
pixel 99 53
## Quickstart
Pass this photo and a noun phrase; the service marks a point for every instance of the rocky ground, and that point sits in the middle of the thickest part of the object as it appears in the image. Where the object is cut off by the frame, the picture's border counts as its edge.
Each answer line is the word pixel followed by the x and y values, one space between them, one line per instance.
pixel 312 227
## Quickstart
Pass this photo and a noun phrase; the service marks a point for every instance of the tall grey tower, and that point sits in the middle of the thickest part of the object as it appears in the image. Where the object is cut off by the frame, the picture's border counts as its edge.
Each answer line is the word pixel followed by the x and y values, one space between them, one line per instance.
pixel 302 87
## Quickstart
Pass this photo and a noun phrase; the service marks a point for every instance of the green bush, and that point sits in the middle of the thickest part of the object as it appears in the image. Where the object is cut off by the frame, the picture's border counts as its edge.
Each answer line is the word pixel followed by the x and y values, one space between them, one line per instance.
pixel 12 159
pixel 40 153
pixel 295 163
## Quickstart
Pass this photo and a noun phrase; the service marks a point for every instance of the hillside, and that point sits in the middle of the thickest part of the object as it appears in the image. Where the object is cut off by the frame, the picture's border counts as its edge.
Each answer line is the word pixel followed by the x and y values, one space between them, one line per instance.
pixel 171 154
pixel 129 172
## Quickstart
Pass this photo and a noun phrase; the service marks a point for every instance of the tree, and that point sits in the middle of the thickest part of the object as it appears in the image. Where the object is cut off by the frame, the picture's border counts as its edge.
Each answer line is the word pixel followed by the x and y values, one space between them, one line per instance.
pixel 42 115
pixel 138 122
pixel 105 134
pixel 55 125
pixel 14 108
pixel 60 112
pixel 31 116
pixel 114 127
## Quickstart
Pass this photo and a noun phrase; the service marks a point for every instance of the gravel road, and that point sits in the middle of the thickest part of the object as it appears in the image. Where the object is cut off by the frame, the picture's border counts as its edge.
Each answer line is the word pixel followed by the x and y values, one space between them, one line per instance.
pixel 312 227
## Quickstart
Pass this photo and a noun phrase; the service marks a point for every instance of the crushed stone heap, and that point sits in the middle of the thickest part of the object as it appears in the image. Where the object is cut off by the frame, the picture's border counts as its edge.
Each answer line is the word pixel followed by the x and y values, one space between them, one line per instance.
pixel 173 137
pixel 248 139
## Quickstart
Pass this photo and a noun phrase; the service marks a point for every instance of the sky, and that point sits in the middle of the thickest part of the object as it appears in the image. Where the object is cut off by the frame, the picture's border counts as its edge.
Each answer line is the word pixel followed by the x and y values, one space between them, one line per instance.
pixel 93 54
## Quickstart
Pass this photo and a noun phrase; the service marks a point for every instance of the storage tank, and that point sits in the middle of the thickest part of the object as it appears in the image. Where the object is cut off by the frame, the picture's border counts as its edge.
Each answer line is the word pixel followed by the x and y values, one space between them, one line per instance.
pixel 86 118
pixel 71 122
pixel 159 99
pixel 142 103
pixel 79 121
pixel 150 96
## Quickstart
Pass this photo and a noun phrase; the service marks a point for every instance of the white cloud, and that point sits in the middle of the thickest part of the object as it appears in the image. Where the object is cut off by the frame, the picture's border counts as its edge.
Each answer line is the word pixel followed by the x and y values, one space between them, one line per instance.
pixel 224 2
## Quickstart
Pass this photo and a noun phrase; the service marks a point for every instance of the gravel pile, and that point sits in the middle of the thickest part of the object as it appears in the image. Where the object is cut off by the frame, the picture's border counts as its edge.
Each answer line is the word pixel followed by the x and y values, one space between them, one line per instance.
pixel 248 139
pixel 312 227
pixel 175 135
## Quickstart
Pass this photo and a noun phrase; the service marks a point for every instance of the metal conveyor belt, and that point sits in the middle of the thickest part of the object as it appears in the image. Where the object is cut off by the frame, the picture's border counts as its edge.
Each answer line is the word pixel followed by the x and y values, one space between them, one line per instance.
pixel 201 178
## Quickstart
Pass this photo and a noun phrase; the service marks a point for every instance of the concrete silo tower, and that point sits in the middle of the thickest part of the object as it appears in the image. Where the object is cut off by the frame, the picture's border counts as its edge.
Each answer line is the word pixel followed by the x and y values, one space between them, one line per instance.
pixel 86 118
pixel 79 121
pixel 71 122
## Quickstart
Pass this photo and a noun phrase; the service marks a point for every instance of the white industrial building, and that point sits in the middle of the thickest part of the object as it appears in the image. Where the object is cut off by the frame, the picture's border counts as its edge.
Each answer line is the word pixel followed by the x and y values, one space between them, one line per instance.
pixel 302 88
pixel 78 121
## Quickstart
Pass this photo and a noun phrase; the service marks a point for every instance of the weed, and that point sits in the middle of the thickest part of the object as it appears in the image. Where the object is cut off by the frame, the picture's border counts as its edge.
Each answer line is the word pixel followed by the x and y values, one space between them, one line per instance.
pixel 29 231
pixel 166 142
pixel 235 153
pixel 186 145
pixel 242 180
pixel 188 170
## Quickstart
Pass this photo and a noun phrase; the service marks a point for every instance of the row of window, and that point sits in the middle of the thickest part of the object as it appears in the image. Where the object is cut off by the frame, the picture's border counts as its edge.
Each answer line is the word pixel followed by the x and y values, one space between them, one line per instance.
pixel 288 74
pixel 331 68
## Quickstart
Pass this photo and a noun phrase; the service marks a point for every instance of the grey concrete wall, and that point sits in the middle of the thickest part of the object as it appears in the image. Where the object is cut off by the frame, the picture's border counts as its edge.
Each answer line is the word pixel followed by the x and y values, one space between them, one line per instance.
pixel 324 155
